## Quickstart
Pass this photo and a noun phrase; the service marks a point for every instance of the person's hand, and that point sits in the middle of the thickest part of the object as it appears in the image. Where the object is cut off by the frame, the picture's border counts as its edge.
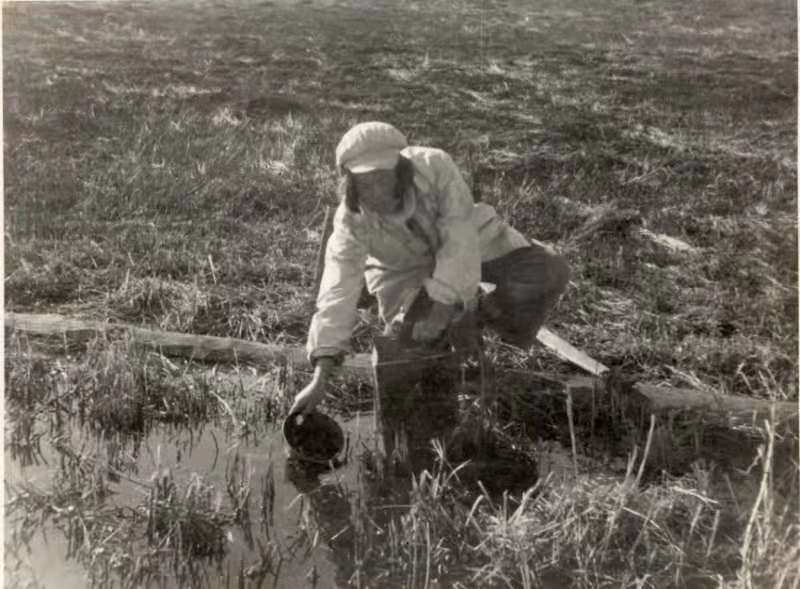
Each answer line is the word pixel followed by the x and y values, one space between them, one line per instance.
pixel 432 327
pixel 308 398
pixel 311 395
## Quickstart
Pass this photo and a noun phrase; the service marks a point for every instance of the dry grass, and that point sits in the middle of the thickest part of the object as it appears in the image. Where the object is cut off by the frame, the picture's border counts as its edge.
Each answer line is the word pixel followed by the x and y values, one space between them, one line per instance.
pixel 188 186
pixel 587 524
pixel 86 419
pixel 168 164
pixel 588 530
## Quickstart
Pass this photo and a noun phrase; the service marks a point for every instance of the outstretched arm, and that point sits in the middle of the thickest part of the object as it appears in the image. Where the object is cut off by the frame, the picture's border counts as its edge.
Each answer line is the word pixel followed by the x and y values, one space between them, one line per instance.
pixel 332 325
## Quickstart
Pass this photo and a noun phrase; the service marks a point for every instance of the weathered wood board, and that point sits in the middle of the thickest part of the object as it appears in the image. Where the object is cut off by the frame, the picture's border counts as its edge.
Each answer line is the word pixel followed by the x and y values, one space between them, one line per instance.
pixel 231 350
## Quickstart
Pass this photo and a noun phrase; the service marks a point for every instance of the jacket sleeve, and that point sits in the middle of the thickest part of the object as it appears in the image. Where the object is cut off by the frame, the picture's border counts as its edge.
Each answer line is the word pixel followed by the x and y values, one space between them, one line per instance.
pixel 458 261
pixel 342 279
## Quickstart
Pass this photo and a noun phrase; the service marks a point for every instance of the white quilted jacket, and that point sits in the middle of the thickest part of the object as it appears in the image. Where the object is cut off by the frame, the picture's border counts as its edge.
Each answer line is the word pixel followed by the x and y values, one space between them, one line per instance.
pixel 437 241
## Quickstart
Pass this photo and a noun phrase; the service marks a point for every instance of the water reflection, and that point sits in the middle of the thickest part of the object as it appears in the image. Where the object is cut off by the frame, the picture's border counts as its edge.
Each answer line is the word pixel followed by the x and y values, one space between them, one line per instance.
pixel 326 514
pixel 293 517
pixel 304 525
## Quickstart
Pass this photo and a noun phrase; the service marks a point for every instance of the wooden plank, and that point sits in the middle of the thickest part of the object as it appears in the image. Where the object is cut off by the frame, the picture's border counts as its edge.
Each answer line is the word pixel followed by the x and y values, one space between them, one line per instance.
pixel 170 343
pixel 567 351
pixel 671 243
pixel 665 399
pixel 226 350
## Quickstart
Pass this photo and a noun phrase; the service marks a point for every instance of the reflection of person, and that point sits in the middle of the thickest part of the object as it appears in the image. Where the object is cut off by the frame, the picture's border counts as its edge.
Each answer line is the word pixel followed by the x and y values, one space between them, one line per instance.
pixel 408 223
pixel 329 509
pixel 334 510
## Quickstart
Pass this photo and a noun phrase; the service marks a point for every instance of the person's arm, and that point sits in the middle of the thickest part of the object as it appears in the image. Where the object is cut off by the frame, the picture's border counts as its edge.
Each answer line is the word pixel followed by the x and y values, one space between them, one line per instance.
pixel 331 327
pixel 312 394
pixel 457 273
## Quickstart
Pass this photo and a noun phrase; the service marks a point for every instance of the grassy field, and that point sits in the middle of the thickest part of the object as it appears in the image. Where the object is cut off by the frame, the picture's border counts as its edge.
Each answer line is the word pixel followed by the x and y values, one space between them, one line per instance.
pixel 168 166
pixel 169 163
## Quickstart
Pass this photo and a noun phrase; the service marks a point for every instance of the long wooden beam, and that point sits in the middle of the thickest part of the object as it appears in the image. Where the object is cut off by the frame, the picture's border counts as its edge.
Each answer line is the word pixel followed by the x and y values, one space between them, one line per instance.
pixel 208 348
pixel 226 350
pixel 737 409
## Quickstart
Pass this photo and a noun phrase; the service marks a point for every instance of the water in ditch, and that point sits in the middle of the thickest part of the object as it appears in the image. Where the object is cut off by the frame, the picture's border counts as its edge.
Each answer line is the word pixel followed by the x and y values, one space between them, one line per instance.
pixel 303 525
pixel 308 505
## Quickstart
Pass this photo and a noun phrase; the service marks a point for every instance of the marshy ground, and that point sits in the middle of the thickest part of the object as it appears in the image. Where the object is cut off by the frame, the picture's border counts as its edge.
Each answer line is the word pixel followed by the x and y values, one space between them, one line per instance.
pixel 168 164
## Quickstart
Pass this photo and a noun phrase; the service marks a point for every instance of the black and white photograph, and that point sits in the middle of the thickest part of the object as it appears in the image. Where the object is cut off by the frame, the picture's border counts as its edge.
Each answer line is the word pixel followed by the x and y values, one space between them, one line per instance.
pixel 408 294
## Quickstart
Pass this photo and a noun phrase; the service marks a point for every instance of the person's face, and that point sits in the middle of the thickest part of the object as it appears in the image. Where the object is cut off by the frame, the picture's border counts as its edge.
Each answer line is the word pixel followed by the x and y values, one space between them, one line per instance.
pixel 376 190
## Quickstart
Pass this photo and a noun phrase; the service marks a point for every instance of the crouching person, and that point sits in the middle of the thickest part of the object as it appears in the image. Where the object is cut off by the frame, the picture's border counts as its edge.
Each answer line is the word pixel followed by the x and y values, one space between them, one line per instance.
pixel 407 223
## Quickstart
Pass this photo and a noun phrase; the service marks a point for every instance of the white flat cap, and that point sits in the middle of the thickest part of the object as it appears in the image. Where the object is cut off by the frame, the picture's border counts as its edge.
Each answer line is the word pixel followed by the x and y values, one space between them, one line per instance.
pixel 370 146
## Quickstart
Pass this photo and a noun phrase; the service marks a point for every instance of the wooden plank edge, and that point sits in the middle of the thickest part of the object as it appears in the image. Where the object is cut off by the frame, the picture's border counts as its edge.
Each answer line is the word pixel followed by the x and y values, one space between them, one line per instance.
pixel 230 350
pixel 171 343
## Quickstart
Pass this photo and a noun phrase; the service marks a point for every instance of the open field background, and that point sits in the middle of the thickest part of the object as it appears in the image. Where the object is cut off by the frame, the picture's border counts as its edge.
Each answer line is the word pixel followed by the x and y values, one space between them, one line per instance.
pixel 168 164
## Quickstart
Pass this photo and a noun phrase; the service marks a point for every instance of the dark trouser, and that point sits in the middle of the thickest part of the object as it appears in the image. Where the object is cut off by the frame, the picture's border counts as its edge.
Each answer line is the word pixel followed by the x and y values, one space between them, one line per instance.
pixel 528 281
pixel 418 402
